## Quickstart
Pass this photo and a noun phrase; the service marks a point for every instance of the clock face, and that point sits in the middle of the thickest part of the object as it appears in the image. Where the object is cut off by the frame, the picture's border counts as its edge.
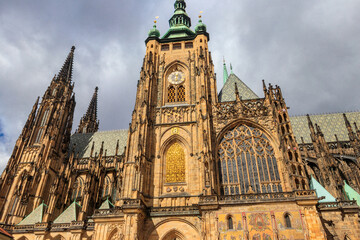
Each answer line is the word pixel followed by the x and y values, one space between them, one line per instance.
pixel 176 77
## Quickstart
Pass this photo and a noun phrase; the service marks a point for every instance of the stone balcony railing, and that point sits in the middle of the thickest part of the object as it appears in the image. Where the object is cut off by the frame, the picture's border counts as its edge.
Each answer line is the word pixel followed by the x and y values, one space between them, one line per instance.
pixel 116 212
pixel 337 205
pixel 258 197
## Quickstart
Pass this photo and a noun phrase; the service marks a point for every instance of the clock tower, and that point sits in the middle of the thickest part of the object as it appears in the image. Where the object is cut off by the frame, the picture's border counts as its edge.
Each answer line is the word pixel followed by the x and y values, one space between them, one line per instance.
pixel 171 126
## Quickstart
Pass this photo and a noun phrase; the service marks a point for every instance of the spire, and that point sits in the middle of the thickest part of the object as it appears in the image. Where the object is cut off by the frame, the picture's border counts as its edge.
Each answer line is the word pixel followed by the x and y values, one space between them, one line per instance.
pixel 349 128
pixel 65 73
pixel 226 75
pixel 89 122
pixel 231 69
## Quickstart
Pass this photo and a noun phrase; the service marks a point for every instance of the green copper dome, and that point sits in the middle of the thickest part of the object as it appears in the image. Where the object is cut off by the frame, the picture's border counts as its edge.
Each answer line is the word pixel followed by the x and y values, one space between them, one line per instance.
pixel 154 32
pixel 200 27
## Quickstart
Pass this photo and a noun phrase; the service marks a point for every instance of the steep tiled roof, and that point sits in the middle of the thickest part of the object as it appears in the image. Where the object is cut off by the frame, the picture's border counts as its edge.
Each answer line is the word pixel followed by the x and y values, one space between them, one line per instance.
pixel 227 93
pixel 70 214
pixel 84 142
pixel 35 216
pixel 330 125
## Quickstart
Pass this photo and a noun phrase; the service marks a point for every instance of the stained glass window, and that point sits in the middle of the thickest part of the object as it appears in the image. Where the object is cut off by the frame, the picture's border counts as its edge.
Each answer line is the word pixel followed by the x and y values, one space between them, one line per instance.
pixel 175 164
pixel 247 162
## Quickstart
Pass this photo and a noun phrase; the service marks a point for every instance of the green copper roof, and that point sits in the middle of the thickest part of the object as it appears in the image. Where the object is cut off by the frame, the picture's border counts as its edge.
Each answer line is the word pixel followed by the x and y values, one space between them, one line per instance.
pixel 35 216
pixel 70 214
pixel 330 124
pixel 227 93
pixel 225 73
pixel 106 205
pixel 180 22
pixel 154 32
pixel 200 27
pixel 84 142
pixel 351 193
pixel 321 191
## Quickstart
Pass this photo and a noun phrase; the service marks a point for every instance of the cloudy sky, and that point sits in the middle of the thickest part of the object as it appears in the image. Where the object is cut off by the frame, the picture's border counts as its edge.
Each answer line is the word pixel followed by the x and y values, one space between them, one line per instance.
pixel 310 48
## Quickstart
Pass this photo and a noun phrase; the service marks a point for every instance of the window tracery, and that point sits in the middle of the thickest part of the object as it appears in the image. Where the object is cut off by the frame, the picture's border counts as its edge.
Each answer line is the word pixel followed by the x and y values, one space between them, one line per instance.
pixel 78 188
pixel 107 187
pixel 175 164
pixel 247 162
pixel 42 126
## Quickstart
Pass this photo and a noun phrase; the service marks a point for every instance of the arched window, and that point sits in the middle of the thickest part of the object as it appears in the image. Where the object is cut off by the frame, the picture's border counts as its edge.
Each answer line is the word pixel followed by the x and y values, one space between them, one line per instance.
pixel 43 122
pixel 107 187
pixel 181 94
pixel 78 188
pixel 303 183
pixel 230 223
pixel 297 183
pixel 300 170
pixel 287 220
pixel 171 94
pixel 247 162
pixel 175 164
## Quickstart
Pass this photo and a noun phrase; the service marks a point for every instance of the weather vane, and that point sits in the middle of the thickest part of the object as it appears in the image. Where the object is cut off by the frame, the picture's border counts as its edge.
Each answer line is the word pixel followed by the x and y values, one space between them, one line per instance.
pixel 200 14
pixel 156 18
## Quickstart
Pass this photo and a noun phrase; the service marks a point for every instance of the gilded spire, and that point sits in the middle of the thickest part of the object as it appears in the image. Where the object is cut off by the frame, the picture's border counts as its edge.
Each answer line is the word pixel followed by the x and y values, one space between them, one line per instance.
pixel 65 73
pixel 89 122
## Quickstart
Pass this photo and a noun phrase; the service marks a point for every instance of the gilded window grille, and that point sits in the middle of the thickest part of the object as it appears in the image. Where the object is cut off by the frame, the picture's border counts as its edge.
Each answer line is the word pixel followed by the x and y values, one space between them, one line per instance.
pixel 171 94
pixel 107 187
pixel 181 94
pixel 247 162
pixel 175 164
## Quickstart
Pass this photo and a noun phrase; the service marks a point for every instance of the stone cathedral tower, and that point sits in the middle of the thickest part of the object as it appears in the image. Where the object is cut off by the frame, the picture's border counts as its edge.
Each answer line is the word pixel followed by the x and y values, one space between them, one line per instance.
pixel 40 150
pixel 194 164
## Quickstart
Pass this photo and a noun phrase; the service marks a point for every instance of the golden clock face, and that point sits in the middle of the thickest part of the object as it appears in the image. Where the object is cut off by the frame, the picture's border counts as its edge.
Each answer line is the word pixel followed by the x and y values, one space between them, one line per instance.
pixel 176 77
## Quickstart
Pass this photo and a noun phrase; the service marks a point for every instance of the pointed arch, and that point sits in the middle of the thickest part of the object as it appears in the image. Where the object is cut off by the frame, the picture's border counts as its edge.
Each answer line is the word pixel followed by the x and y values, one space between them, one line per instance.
pixel 247 162
pixel 174 235
pixel 59 237
pixel 78 188
pixel 107 187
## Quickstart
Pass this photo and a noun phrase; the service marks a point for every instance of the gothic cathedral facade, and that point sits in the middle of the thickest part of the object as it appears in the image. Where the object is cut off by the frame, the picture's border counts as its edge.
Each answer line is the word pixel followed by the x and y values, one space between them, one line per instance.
pixel 194 164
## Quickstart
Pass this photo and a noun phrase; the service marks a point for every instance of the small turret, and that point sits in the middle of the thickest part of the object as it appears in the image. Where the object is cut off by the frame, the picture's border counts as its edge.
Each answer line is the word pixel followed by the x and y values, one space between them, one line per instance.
pixel 154 32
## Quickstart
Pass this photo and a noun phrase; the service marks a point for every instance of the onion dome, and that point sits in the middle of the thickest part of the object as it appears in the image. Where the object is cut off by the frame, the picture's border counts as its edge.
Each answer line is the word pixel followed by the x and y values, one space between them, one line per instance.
pixel 200 27
pixel 154 32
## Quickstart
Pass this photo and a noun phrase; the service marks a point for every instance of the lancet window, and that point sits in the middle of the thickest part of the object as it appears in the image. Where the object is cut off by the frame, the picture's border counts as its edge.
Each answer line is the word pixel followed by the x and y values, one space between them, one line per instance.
pixel 42 126
pixel 175 164
pixel 247 162
pixel 107 187
pixel 78 188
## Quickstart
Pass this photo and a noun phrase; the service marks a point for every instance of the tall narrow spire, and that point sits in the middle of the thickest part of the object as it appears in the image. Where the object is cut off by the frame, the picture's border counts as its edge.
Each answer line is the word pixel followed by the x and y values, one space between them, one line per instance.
pixel 89 122
pixel 65 73
pixel 226 75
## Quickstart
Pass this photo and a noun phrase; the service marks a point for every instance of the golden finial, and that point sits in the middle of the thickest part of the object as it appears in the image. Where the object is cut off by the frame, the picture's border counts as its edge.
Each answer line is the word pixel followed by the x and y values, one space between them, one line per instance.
pixel 156 18
pixel 200 14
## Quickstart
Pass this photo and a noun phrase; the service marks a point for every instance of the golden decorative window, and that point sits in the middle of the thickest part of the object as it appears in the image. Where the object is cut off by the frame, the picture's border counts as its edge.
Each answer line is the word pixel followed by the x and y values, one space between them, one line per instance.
pixel 181 94
pixel 247 162
pixel 175 164
pixel 176 94
pixel 171 94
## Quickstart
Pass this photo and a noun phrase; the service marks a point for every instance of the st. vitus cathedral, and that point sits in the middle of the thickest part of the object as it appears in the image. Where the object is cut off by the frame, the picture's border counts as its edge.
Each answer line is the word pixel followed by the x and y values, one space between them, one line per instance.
pixel 194 164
